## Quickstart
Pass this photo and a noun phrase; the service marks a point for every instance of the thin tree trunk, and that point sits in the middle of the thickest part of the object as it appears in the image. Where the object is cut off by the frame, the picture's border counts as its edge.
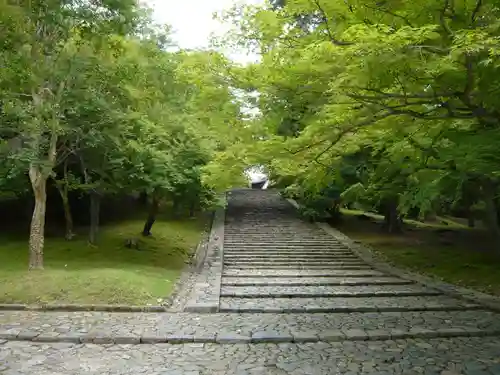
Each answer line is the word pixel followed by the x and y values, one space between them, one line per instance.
pixel 37 229
pixel 491 211
pixel 471 221
pixel 175 207
pixel 62 188
pixel 153 211
pixel 95 206
pixel 38 177
pixel 143 198
pixel 334 211
pixel 68 217
pixel 392 221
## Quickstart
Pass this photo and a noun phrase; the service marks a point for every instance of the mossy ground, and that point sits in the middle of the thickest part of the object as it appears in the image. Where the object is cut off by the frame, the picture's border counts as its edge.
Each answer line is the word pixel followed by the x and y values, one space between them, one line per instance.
pixel 444 248
pixel 109 273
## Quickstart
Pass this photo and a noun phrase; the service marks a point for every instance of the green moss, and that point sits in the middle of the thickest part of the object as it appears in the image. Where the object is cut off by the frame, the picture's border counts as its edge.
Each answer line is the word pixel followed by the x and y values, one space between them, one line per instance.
pixel 107 274
pixel 462 256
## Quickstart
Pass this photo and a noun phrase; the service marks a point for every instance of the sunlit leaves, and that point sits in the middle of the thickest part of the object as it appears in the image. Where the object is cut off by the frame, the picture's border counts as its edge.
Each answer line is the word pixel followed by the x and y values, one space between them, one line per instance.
pixel 414 83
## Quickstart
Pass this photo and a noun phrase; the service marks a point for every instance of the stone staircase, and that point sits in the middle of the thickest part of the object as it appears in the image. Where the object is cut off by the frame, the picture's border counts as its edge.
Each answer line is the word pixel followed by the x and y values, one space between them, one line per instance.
pixel 273 295
pixel 273 262
pixel 272 277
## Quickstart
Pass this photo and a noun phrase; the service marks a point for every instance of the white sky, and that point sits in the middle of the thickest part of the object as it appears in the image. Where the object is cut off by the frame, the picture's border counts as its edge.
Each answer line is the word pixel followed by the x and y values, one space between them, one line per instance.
pixel 192 21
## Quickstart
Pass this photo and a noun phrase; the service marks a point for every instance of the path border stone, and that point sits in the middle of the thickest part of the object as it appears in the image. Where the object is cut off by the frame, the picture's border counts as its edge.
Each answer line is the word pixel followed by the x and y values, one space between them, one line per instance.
pixel 82 307
pixel 184 285
pixel 235 337
pixel 205 294
pixel 367 254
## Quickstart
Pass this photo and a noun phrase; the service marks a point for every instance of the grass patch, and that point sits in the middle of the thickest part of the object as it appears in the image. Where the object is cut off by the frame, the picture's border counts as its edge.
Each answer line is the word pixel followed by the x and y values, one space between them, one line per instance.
pixel 107 274
pixel 458 255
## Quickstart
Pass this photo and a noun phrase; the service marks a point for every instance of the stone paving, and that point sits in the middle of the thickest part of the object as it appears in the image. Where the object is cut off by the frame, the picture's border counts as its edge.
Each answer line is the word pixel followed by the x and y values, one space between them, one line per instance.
pixel 472 356
pixel 134 328
pixel 275 295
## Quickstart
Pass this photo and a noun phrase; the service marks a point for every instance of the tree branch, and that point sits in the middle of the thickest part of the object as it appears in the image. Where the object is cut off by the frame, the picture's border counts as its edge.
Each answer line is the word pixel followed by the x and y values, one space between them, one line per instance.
pixel 476 11
pixel 469 81
pixel 324 18
pixel 432 49
pixel 442 17
pixel 333 143
pixel 428 115
pixel 401 96
pixel 390 13
pixel 379 99
pixel 306 147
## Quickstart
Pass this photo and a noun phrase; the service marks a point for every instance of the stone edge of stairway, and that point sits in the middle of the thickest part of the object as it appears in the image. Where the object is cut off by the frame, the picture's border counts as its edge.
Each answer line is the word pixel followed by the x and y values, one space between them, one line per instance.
pixel 367 255
pixel 264 336
pixel 205 294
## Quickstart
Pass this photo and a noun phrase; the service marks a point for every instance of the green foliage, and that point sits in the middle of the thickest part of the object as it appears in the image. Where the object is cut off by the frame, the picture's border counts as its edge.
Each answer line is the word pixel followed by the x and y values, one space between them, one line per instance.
pixel 390 101
pixel 91 99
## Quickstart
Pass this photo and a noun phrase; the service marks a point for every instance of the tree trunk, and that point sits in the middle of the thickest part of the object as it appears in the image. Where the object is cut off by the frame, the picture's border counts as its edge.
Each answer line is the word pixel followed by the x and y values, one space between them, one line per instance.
pixel 334 212
pixel 491 212
pixel 392 221
pixel 143 198
pixel 471 221
pixel 68 217
pixel 37 229
pixel 95 206
pixel 469 198
pixel 153 211
pixel 175 207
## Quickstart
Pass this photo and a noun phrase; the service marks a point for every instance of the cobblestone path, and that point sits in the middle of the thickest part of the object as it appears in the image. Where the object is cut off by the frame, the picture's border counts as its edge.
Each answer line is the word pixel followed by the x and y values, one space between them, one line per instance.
pixel 281 297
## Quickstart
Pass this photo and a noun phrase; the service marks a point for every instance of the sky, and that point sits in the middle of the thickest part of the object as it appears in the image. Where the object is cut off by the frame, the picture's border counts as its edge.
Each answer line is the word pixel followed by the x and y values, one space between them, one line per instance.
pixel 193 25
pixel 192 21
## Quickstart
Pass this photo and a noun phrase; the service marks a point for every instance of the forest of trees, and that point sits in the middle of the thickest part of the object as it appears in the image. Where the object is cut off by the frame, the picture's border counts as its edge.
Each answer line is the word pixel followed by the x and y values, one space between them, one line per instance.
pixel 390 104
pixel 95 100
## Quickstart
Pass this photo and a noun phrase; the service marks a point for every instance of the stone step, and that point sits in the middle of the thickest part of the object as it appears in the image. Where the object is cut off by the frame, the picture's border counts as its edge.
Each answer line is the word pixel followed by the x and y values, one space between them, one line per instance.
pixel 300 231
pixel 297 267
pixel 339 304
pixel 285 249
pixel 270 273
pixel 270 224
pixel 319 244
pixel 289 252
pixel 279 231
pixel 270 244
pixel 293 236
pixel 294 233
pixel 267 228
pixel 289 255
pixel 326 291
pixel 283 244
pixel 280 262
pixel 245 238
pixel 227 328
pixel 287 258
pixel 282 241
pixel 312 281
pixel 274 229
